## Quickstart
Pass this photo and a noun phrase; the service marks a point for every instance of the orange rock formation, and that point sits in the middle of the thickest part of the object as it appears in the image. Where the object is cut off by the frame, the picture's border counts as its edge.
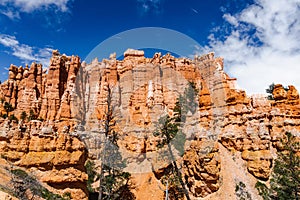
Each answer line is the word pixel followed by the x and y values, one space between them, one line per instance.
pixel 228 124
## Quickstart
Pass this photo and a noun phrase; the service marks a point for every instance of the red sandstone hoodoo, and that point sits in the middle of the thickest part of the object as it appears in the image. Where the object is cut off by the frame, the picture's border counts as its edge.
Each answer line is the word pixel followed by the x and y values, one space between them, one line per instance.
pixel 248 128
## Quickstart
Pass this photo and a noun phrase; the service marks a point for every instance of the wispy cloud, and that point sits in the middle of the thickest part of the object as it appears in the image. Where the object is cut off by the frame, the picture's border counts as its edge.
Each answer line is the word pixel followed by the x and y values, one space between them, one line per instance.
pixel 30 5
pixel 13 8
pixel 231 19
pixel 11 14
pixel 194 10
pixel 25 52
pixel 150 6
pixel 261 44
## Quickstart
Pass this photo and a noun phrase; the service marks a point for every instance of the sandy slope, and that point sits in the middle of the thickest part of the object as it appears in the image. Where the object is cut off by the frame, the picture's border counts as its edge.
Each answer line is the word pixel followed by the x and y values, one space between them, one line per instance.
pixel 232 172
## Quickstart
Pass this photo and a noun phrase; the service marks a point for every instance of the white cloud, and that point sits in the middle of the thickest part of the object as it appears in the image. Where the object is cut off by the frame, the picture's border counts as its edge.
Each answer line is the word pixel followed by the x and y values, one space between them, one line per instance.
pixel 146 6
pixel 261 44
pixel 25 52
pixel 194 10
pixel 31 5
pixel 231 19
pixel 13 8
pixel 8 40
pixel 13 15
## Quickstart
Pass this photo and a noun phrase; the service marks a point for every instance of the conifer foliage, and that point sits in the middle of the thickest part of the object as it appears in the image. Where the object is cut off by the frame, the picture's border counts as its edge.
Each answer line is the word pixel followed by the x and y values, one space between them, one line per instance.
pixel 113 179
pixel 285 179
pixel 169 130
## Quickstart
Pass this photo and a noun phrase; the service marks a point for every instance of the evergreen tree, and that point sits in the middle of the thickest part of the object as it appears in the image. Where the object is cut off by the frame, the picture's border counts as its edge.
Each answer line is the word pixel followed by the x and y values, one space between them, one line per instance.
pixel 23 115
pixel 286 173
pixel 269 90
pixel 8 108
pixel 92 174
pixel 285 180
pixel 241 191
pixel 32 115
pixel 168 130
pixel 113 181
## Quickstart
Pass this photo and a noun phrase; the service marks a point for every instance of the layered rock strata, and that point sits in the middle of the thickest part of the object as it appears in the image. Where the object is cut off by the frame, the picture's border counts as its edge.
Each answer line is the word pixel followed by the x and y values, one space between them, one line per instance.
pixel 55 159
pixel 73 98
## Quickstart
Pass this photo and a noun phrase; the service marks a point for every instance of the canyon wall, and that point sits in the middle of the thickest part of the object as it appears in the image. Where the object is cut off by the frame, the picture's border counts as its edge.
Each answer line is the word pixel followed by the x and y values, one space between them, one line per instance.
pixel 40 141
pixel 229 138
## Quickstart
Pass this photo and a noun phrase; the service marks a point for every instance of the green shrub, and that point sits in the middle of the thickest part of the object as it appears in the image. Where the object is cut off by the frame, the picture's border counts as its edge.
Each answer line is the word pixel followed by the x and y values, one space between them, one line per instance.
pixel 23 115
pixel 90 169
pixel 241 192
pixel 20 173
pixel 13 118
pixel 269 90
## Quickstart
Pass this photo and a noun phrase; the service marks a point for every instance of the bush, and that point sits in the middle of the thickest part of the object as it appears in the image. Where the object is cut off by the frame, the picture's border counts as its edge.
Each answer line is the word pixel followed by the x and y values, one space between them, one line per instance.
pixel 20 173
pixel 90 169
pixel 46 194
pixel 23 115
pixel 269 90
pixel 241 192
pixel 13 118
pixel 32 115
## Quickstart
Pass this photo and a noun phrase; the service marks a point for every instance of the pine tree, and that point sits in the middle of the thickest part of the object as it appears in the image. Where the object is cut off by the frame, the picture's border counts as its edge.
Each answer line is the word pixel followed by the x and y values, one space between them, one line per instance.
pixel 270 90
pixel 114 182
pixel 32 115
pixel 8 108
pixel 286 172
pixel 23 115
pixel 168 130
pixel 285 180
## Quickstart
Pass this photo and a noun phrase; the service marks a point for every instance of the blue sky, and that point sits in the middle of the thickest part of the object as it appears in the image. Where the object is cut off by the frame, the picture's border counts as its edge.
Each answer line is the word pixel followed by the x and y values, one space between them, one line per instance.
pixel 259 39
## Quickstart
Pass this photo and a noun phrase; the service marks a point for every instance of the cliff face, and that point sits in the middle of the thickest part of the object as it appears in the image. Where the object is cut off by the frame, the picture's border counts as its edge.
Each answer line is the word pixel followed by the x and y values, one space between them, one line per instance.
pixel 44 95
pixel 229 138
pixel 56 160
pixel 40 142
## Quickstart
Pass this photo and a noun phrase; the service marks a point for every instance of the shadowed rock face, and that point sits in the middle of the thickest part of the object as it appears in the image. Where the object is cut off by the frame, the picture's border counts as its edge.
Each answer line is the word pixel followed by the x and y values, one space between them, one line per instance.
pixel 141 90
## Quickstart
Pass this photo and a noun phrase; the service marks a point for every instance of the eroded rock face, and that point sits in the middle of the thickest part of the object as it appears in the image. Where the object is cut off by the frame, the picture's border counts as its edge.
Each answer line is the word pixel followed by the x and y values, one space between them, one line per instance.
pixel 47 96
pixel 258 162
pixel 57 160
pixel 202 169
pixel 144 88
pixel 73 97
